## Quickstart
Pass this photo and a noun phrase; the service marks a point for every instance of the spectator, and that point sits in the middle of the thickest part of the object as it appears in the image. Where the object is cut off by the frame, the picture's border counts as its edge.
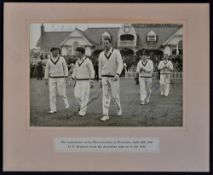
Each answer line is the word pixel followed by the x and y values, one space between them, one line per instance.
pixel 96 70
pixel 39 71
pixel 32 70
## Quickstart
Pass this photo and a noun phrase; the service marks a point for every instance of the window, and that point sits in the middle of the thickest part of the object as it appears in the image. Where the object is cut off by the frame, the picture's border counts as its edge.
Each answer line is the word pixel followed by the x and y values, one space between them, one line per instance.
pixel 174 49
pixel 151 36
pixel 126 37
pixel 180 47
pixel 180 44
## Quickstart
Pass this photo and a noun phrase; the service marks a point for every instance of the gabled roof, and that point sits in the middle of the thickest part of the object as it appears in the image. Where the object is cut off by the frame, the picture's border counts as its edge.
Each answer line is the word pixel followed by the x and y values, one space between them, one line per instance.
pixel 163 33
pixel 94 35
pixel 51 39
pixel 151 33
pixel 80 31
pixel 177 33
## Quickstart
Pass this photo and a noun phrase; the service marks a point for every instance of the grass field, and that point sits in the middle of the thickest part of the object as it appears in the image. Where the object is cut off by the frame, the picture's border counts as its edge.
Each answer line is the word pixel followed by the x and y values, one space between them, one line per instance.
pixel 161 111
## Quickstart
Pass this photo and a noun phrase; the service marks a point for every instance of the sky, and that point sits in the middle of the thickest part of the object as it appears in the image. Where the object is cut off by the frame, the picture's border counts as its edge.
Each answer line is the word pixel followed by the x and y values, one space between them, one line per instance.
pixel 35 30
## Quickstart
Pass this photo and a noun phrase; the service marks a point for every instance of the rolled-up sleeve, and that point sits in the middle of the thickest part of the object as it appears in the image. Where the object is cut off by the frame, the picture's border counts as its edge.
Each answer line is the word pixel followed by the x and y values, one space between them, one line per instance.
pixel 91 69
pixel 119 63
pixel 65 68
pixel 160 65
pixel 138 67
pixel 171 66
pixel 99 66
pixel 47 71
pixel 74 71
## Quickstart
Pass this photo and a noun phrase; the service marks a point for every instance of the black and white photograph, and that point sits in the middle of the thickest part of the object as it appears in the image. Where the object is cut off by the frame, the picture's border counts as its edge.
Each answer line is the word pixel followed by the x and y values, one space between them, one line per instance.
pixel 106 87
pixel 106 74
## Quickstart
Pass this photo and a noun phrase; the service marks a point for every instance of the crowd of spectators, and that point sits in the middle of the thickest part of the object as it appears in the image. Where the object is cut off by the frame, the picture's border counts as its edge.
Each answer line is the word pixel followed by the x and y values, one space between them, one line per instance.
pixel 130 61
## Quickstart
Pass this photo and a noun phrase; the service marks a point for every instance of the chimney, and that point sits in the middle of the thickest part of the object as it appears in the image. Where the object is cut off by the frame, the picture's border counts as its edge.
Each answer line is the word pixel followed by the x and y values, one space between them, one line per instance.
pixel 42 29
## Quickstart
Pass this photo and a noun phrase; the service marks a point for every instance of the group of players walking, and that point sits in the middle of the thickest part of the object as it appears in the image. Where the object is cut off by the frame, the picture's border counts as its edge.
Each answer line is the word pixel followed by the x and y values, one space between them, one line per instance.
pixel 110 67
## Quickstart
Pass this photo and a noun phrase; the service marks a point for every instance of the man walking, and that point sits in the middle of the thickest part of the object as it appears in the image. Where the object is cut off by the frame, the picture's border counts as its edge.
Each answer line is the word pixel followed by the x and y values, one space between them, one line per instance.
pixel 55 73
pixel 145 69
pixel 166 67
pixel 83 74
pixel 110 68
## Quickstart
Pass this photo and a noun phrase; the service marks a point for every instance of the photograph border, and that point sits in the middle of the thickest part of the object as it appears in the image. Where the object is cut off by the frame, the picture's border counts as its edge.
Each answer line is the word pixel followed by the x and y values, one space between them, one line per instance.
pixel 25 130
pixel 93 21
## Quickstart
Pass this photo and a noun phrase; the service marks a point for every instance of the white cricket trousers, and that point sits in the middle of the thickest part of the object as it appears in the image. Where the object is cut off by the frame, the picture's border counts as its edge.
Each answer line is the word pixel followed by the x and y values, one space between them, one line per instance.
pixel 145 88
pixel 57 85
pixel 82 93
pixel 111 89
pixel 164 84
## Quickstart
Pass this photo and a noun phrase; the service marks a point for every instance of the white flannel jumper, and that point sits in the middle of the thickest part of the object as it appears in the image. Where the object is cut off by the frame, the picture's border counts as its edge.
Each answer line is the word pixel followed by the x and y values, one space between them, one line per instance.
pixel 145 69
pixel 83 72
pixel 165 67
pixel 110 64
pixel 56 70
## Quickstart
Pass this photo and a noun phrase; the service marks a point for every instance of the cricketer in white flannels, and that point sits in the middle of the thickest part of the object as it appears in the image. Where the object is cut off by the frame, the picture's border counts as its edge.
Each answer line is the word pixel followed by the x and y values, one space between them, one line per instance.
pixel 110 68
pixel 55 73
pixel 166 67
pixel 83 74
pixel 145 69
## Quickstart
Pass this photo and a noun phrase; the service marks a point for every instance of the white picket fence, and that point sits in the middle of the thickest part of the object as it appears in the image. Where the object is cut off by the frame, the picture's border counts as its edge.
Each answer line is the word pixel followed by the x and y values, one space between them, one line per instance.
pixel 174 75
